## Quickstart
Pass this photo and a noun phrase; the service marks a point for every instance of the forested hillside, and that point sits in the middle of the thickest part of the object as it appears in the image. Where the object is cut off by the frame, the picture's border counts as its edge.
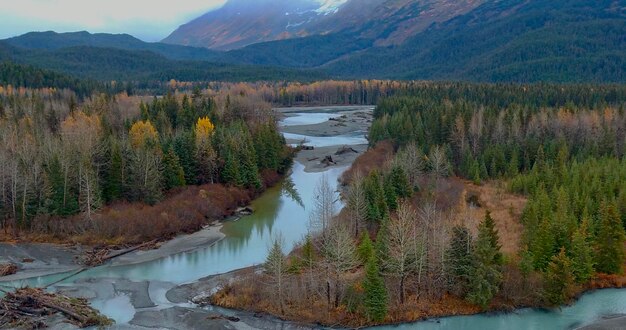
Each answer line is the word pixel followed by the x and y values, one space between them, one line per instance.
pixel 52 41
pixel 113 64
pixel 523 41
pixel 18 75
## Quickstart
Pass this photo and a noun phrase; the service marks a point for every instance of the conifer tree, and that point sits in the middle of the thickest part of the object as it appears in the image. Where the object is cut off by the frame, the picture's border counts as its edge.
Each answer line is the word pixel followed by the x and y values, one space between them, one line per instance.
pixel 185 149
pixel 173 174
pixel 494 238
pixel 559 279
pixel 365 251
pixel 375 300
pixel 391 198
pixel 582 254
pixel 486 274
pixel 374 194
pixel 114 176
pixel 610 240
pixel 61 201
pixel 459 259
pixel 400 182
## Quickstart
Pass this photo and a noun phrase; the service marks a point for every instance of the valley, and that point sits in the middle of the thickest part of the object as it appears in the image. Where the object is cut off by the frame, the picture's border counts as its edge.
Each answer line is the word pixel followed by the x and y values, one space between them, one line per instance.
pixel 313 164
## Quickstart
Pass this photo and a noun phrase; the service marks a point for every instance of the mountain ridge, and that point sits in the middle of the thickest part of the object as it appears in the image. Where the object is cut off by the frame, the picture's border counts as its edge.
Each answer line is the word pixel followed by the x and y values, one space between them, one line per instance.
pixel 50 40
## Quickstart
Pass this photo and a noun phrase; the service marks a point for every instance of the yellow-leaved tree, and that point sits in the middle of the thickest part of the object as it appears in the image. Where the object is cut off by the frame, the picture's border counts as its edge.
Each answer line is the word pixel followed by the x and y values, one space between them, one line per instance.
pixel 206 157
pixel 143 135
pixel 145 166
pixel 204 130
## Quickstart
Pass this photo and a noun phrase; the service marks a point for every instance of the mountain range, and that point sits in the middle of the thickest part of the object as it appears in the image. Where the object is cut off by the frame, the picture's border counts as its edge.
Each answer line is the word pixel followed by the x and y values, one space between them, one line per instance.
pixel 476 40
pixel 387 22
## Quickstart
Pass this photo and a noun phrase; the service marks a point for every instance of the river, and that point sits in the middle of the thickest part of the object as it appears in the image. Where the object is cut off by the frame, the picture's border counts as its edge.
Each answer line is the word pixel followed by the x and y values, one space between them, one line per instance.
pixel 278 213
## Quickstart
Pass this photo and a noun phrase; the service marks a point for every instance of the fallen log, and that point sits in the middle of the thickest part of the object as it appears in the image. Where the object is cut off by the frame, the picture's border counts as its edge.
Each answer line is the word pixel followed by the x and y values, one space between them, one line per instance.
pixel 344 150
pixel 8 269
pixel 97 256
pixel 28 307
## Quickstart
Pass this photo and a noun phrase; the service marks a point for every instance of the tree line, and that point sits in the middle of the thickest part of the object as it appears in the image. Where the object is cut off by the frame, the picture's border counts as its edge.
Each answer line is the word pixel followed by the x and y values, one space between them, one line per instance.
pixel 61 157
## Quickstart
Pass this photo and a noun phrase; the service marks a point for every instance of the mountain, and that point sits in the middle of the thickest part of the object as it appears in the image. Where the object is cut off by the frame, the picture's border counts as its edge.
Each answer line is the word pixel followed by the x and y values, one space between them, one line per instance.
pixel 508 40
pixel 52 41
pixel 244 22
pixel 491 40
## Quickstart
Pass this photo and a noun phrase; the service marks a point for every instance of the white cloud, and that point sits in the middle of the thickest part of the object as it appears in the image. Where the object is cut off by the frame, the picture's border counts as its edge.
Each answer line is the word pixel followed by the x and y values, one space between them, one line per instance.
pixel 147 19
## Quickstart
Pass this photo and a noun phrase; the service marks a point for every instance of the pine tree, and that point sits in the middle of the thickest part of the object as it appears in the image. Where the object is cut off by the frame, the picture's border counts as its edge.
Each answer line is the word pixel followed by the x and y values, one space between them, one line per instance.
pixel 564 223
pixel 185 149
pixel 543 245
pixel 114 176
pixel 494 239
pixel 486 274
pixel 400 182
pixel 559 279
pixel 375 300
pixel 61 200
pixel 173 174
pixel 582 254
pixel 374 194
pixel 460 262
pixel 365 251
pixel 391 198
pixel 610 240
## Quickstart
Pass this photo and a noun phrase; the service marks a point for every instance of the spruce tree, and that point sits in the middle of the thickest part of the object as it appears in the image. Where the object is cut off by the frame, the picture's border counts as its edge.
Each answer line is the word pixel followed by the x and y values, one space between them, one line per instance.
pixel 185 149
pixel 375 300
pixel 558 279
pixel 391 198
pixel 114 179
pixel 365 251
pixel 62 201
pixel 582 254
pixel 459 259
pixel 173 174
pixel 400 182
pixel 486 274
pixel 494 238
pixel 374 194
pixel 610 240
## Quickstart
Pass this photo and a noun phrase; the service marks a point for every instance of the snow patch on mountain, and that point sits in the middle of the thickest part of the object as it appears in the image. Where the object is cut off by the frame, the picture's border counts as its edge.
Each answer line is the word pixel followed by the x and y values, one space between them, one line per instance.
pixel 329 6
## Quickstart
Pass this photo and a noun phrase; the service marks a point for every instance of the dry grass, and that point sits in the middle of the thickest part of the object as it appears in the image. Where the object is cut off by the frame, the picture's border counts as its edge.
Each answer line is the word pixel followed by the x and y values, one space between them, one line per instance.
pixel 183 210
pixel 506 210
pixel 373 159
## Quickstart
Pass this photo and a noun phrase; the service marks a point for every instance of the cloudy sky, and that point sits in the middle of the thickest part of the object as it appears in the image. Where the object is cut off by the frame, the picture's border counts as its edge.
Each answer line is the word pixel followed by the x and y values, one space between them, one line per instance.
pixel 150 20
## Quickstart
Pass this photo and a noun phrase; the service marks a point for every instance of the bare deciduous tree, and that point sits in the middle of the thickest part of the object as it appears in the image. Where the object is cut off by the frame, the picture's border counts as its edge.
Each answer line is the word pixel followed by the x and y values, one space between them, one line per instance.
pixel 339 253
pixel 276 268
pixel 323 207
pixel 357 204
pixel 403 258
pixel 411 160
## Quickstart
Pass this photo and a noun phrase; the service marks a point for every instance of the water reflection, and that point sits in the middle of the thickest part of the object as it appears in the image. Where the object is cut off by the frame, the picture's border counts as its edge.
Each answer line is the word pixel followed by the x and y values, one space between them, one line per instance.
pixel 245 244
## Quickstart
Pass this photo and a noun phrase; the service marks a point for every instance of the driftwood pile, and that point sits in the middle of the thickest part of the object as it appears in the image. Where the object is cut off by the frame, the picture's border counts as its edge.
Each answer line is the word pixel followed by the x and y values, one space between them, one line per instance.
pixel 345 150
pixel 99 255
pixel 328 161
pixel 8 269
pixel 27 308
